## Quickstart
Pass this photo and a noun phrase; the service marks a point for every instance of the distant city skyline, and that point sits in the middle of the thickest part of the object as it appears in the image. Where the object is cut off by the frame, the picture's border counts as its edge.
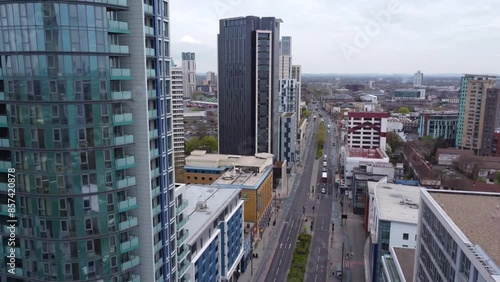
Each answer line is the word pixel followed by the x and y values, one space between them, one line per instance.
pixel 383 37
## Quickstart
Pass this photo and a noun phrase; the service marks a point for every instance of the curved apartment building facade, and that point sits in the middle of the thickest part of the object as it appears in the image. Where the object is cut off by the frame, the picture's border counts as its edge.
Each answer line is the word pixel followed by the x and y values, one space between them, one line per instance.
pixel 86 121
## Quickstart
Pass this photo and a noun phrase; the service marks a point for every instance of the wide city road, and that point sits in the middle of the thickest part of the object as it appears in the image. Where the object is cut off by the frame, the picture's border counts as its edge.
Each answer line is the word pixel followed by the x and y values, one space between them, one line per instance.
pixel 317 265
pixel 282 258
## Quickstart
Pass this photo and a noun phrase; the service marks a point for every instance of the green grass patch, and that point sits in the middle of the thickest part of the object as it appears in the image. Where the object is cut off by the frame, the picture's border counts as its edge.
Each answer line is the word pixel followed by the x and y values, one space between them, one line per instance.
pixel 299 259
pixel 320 140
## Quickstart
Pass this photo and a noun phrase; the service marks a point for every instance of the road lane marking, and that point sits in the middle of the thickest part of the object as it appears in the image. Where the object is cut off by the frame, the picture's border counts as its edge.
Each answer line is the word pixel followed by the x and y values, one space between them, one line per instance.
pixel 280 261
pixel 277 270
pixel 290 246
pixel 281 245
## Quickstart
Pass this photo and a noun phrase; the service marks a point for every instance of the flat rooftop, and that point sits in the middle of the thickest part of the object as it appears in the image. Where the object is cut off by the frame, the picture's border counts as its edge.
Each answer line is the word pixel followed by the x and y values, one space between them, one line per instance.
pixel 365 153
pixel 288 114
pixel 477 215
pixel 396 202
pixel 406 259
pixel 243 178
pixel 216 200
pixel 201 154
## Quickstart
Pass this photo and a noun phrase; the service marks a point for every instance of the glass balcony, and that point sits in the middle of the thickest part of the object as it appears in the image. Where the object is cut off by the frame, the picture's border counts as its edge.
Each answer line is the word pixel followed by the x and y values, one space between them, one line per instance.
pixel 183 254
pixel 134 278
pixel 155 172
pixel 183 222
pixel 148 8
pixel 181 240
pixel 123 3
pixel 122 119
pixel 157 228
pixel 6 230
pixel 153 114
pixel 134 260
pixel 151 72
pixel 3 121
pixel 4 143
pixel 4 209
pixel 157 210
pixel 2 96
pixel 127 182
pixel 154 153
pixel 158 246
pixel 122 49
pixel 153 133
pixel 149 30
pixel 125 139
pixel 124 163
pixel 183 267
pixel 150 52
pixel 16 250
pixel 3 187
pixel 158 264
pixel 128 204
pixel 121 95
pixel 117 26
pixel 120 74
pixel 152 93
pixel 19 271
pixel 132 222
pixel 182 207
pixel 5 164
pixel 156 191
pixel 129 245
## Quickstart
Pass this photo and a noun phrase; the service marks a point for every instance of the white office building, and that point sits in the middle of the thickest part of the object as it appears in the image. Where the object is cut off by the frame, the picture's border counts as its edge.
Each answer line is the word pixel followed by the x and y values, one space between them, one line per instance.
pixel 216 230
pixel 189 73
pixel 297 75
pixel 392 221
pixel 458 237
pixel 418 79
pixel 367 130
pixel 408 94
pixel 285 58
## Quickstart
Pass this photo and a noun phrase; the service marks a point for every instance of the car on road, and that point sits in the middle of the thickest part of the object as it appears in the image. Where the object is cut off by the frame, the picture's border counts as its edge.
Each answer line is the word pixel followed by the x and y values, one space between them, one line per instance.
pixel 324 156
pixel 324 169
pixel 324 164
pixel 323 190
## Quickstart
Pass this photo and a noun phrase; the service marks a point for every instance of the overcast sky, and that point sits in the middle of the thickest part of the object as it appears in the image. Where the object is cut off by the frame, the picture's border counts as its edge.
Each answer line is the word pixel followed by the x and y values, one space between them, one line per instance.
pixel 362 36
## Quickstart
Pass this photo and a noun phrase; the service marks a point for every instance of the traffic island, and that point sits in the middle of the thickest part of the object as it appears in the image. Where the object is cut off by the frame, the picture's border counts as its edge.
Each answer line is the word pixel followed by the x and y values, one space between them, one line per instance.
pixel 299 260
pixel 320 140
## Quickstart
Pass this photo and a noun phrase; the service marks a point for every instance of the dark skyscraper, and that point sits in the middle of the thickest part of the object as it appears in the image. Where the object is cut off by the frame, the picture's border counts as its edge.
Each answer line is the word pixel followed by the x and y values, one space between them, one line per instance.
pixel 248 85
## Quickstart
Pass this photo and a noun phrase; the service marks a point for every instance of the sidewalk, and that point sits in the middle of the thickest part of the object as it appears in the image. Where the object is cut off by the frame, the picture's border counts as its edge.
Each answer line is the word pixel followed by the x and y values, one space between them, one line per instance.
pixel 270 234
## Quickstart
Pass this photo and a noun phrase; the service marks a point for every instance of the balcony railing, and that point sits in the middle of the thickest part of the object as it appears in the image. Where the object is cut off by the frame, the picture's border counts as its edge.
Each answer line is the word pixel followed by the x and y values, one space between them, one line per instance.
pixel 123 3
pixel 118 74
pixel 156 191
pixel 183 222
pixel 128 204
pixel 129 245
pixel 4 209
pixel 152 93
pixel 4 143
pixel 153 133
pixel 149 30
pixel 125 118
pixel 181 207
pixel 127 182
pixel 183 267
pixel 154 153
pixel 125 139
pixel 183 238
pixel 148 8
pixel 132 222
pixel 121 95
pixel 3 120
pixel 134 260
pixel 153 114
pixel 3 187
pixel 126 162
pixel 151 72
pixel 5 164
pixel 2 96
pixel 134 278
pixel 149 52
pixel 155 172
pixel 183 254
pixel 122 49
pixel 117 26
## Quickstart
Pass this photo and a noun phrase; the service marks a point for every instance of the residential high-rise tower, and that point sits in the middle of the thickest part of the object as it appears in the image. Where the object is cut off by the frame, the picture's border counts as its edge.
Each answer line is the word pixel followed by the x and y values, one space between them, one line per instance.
pixel 471 118
pixel 189 73
pixel 85 121
pixel 248 85
pixel 178 121
pixel 418 79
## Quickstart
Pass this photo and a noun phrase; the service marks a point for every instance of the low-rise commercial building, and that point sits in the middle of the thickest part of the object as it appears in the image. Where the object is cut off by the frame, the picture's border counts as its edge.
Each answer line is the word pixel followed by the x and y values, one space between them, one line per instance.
pixel 354 156
pixel 367 171
pixel 458 237
pixel 391 220
pixel 215 233
pixel 438 125
pixel 398 266
pixel 203 168
pixel 408 94
pixel 254 176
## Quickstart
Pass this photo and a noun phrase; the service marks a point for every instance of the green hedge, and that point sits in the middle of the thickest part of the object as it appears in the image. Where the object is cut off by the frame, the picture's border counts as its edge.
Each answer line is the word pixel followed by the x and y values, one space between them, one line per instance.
pixel 320 139
pixel 298 266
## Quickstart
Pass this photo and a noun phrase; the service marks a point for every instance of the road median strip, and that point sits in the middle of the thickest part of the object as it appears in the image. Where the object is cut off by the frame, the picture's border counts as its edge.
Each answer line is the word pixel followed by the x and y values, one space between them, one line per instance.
pixel 299 260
